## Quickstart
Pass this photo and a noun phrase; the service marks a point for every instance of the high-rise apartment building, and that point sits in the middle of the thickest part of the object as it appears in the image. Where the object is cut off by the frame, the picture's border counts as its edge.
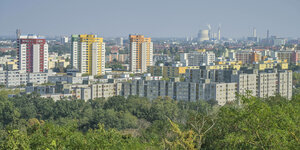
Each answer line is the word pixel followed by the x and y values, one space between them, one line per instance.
pixel 32 53
pixel 88 54
pixel 141 53
pixel 75 40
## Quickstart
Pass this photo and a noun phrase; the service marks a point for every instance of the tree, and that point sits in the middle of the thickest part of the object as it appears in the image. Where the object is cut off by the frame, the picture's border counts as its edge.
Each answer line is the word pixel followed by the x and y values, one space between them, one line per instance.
pixel 162 109
pixel 182 139
pixel 200 124
pixel 139 107
pixel 257 124
pixel 32 122
pixel 117 103
pixel 14 139
pixel 60 49
pixel 296 79
pixel 8 113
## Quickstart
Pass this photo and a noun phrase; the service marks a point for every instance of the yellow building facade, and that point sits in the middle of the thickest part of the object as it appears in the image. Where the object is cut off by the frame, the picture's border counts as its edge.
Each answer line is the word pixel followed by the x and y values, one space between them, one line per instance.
pixel 88 54
pixel 13 63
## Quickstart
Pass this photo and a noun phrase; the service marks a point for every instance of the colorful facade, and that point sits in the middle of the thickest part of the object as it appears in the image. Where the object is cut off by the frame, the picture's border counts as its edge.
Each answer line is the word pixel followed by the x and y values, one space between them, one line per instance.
pixel 88 54
pixel 141 53
pixel 32 53
pixel 269 64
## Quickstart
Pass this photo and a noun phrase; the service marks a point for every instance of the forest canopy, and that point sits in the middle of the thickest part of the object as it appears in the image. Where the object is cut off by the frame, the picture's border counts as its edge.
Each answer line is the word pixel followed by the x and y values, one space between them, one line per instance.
pixel 32 122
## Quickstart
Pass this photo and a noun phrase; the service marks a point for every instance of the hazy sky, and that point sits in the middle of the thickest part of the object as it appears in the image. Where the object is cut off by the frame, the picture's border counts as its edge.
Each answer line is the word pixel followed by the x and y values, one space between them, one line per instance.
pixel 154 18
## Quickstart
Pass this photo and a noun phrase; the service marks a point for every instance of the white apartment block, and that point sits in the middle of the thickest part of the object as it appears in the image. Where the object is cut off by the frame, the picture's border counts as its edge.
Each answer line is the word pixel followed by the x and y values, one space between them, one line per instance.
pixel 266 84
pixel 22 57
pixel 20 77
pixel 105 90
pixel 285 84
pixel 222 93
pixel 74 54
pixel 246 82
pixel 197 58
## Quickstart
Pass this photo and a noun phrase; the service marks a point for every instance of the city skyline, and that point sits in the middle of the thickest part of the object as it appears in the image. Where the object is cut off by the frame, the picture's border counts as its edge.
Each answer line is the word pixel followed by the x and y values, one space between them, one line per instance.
pixel 155 19
pixel 158 74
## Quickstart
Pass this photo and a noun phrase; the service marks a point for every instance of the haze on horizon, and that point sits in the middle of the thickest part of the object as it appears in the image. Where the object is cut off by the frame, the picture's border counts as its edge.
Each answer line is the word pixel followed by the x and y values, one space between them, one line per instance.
pixel 155 18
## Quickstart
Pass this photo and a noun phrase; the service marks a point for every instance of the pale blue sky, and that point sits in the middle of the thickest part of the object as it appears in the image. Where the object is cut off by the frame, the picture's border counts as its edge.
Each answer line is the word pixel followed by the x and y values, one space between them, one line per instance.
pixel 154 18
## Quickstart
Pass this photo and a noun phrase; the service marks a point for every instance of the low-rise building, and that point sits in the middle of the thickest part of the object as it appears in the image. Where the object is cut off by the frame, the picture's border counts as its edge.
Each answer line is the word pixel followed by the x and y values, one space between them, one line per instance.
pixel 291 57
pixel 58 61
pixel 246 57
pixel 169 71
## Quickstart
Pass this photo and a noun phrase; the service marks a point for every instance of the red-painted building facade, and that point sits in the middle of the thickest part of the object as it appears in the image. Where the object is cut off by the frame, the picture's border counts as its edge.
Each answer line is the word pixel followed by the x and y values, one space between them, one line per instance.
pixel 32 53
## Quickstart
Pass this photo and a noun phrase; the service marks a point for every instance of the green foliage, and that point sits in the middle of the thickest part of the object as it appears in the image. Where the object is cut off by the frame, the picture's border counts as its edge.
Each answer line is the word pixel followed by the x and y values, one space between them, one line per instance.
pixel 115 65
pixel 165 79
pixel 32 122
pixel 85 74
pixel 183 139
pixel 8 113
pixel 5 92
pixel 294 67
pixel 296 79
pixel 98 76
pixel 158 131
pixel 117 103
pixel 13 139
pixel 114 119
pixel 50 136
pixel 257 124
pixel 296 91
pixel 139 107
pixel 163 108
pixel 60 49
